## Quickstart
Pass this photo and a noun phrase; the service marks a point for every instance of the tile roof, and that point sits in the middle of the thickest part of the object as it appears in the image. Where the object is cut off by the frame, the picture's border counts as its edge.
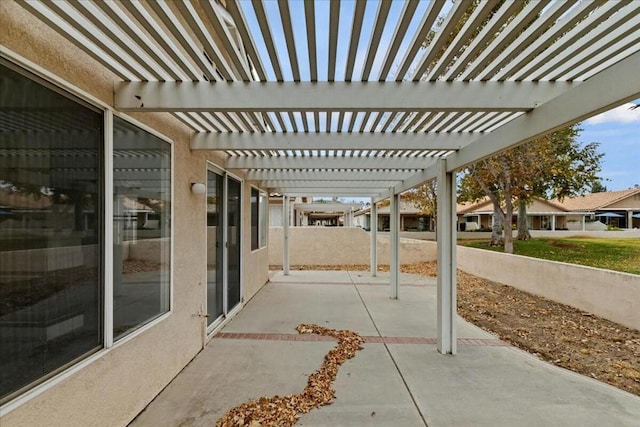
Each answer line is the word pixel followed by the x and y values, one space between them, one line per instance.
pixel 595 201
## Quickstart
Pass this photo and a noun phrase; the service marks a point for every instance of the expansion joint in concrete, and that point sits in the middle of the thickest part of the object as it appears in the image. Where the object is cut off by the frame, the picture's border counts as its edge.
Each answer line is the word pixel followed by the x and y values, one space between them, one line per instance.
pixel 386 346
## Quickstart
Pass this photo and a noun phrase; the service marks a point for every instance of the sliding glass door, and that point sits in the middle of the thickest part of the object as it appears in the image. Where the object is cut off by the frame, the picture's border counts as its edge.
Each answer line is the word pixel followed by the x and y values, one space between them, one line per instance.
pixel 215 190
pixel 234 195
pixel 224 219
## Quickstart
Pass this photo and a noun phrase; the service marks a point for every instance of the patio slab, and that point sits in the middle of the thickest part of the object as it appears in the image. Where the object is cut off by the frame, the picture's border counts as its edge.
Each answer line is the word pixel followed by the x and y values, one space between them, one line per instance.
pixel 280 307
pixel 399 380
pixel 484 386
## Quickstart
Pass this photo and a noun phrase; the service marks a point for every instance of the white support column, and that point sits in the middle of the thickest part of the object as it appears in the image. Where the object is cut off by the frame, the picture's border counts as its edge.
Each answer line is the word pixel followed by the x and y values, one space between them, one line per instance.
pixel 630 220
pixel 553 222
pixel 584 222
pixel 373 232
pixel 285 240
pixel 394 241
pixel 446 237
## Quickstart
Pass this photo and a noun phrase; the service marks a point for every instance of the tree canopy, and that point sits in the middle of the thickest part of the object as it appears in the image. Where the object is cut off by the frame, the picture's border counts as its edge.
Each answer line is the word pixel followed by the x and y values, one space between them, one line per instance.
pixel 552 167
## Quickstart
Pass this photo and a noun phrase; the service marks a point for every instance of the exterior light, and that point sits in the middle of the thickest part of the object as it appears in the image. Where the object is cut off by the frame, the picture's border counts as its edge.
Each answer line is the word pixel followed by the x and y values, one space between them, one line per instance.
pixel 198 188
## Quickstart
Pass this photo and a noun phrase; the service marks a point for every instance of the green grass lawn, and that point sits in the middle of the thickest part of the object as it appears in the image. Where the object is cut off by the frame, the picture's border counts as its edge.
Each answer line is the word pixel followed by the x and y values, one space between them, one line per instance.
pixel 612 254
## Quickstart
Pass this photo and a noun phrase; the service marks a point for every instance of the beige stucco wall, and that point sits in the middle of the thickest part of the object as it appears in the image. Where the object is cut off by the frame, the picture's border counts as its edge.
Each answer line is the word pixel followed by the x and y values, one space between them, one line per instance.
pixel 631 202
pixel 609 294
pixel 341 246
pixel 121 381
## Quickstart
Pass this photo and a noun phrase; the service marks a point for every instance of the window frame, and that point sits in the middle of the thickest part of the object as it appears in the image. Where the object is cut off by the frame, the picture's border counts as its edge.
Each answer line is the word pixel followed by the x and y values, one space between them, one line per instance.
pixel 44 77
pixel 35 76
pixel 262 223
pixel 109 224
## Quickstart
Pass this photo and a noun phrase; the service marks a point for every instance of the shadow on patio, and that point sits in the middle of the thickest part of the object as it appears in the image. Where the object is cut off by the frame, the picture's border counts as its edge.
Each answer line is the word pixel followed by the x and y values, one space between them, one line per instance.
pixel 399 379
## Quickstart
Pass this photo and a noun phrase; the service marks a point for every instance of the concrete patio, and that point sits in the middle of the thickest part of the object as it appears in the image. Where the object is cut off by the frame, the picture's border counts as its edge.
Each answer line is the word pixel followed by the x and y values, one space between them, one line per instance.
pixel 398 379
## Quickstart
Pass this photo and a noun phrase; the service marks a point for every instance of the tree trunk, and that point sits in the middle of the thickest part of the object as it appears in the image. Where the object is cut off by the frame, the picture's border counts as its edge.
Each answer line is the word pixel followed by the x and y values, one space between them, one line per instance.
pixel 508 229
pixel 496 227
pixel 523 227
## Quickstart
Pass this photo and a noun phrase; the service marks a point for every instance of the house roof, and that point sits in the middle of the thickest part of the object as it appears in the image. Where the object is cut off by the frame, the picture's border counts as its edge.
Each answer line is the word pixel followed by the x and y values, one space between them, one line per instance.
pixel 595 201
pixel 467 207
pixel 485 205
pixel 405 208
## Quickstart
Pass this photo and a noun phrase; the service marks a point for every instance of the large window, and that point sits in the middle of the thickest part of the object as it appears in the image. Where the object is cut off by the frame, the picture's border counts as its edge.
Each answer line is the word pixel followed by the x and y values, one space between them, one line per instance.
pixel 52 228
pixel 141 227
pixel 51 196
pixel 258 219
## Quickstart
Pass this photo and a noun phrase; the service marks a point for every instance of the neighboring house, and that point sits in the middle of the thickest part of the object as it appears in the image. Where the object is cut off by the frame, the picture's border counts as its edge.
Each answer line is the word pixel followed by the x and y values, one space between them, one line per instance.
pixel 592 211
pixel 616 208
pixel 275 209
pixel 304 212
pixel 411 218
pixel 541 215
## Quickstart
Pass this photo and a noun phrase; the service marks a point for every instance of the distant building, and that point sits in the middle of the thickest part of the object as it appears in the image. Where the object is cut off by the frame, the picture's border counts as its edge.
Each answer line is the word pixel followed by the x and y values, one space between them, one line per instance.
pixel 411 218
pixel 592 211
pixel 305 212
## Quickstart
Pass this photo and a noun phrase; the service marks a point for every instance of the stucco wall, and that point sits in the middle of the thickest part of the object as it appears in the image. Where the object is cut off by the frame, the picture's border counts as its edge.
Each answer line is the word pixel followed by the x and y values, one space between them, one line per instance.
pixel 121 381
pixel 631 202
pixel 340 246
pixel 609 294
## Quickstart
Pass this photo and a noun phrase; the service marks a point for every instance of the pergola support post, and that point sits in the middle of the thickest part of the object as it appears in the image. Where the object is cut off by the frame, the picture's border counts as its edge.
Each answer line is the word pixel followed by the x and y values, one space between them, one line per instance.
pixel 373 233
pixel 285 239
pixel 446 237
pixel 394 241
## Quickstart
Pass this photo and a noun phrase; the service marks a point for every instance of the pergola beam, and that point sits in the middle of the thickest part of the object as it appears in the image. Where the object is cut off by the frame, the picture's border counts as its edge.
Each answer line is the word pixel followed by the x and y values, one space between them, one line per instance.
pixel 608 89
pixel 335 96
pixel 239 162
pixel 327 184
pixel 332 141
pixel 364 191
pixel 326 192
pixel 342 175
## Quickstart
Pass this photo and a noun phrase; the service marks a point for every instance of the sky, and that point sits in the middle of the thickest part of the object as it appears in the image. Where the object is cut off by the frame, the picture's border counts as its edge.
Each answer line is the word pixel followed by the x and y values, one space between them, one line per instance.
pixel 618 132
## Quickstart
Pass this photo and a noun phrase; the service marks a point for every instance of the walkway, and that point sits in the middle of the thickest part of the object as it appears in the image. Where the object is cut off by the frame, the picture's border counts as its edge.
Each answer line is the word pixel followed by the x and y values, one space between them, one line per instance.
pixel 399 379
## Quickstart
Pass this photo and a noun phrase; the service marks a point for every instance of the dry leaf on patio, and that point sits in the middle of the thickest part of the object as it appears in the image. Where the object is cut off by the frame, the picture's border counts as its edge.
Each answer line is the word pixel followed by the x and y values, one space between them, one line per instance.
pixel 284 411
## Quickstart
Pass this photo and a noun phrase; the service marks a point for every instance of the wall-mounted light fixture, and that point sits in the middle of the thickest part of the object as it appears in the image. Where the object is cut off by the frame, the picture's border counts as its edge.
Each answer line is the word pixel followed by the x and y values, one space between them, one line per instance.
pixel 198 188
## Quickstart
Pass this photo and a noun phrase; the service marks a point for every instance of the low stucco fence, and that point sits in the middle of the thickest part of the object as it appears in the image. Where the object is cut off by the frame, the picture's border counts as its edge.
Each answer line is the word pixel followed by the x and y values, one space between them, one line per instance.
pixel 609 294
pixel 340 246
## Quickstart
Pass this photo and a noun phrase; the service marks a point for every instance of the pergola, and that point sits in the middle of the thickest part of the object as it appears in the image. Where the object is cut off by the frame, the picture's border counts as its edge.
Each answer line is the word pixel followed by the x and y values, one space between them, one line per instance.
pixel 365 98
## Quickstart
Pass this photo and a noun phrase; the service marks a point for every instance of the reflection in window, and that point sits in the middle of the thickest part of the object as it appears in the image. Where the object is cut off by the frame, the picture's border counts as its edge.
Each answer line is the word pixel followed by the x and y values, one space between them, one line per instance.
pixel 141 227
pixel 50 237
pixel 255 194
pixel 264 203
pixel 258 219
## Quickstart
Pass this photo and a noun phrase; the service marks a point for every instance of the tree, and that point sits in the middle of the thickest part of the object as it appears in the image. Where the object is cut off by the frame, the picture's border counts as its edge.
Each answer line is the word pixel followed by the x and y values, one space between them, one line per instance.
pixel 492 178
pixel 424 197
pixel 598 187
pixel 554 166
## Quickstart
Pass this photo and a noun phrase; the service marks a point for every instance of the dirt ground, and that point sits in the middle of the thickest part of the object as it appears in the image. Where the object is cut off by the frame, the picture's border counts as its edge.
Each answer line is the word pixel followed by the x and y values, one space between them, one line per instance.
pixel 556 333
